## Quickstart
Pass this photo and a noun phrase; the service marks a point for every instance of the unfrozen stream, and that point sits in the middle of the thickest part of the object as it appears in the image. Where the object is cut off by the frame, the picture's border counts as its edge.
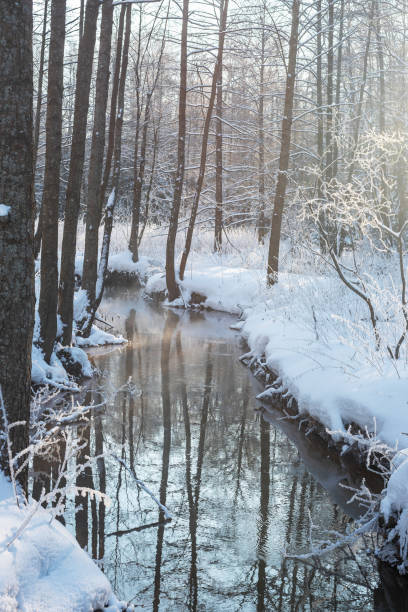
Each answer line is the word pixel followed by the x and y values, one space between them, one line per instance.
pixel 241 483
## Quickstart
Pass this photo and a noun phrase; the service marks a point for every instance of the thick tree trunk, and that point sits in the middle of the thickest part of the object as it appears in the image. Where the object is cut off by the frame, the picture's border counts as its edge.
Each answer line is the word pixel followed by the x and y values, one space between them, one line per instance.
pixel 172 286
pixel 279 201
pixel 73 196
pixel 93 208
pixel 204 144
pixel 49 252
pixel 17 219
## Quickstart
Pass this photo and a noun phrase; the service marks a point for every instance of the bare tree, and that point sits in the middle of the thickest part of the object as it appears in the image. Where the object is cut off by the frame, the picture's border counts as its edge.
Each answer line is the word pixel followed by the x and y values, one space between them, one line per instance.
pixel 93 207
pixel 16 217
pixel 37 120
pixel 49 252
pixel 218 166
pixel 140 165
pixel 279 201
pixel 204 144
pixel 171 282
pixel 73 195
pixel 114 196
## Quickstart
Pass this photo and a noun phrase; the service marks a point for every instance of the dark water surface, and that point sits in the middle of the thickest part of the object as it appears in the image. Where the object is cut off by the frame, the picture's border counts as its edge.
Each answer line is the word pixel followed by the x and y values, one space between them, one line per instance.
pixel 240 486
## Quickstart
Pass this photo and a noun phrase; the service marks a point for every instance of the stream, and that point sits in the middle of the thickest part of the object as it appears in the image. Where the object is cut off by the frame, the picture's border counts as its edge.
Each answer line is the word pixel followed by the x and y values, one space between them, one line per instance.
pixel 240 481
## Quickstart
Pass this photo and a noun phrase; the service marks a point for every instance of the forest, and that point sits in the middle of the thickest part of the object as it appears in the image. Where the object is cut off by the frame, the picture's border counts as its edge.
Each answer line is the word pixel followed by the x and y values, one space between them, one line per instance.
pixel 203 304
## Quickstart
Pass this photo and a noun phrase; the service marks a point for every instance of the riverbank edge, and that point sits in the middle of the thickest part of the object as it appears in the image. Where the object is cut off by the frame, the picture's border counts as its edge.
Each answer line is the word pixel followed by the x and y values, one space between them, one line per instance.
pixel 354 454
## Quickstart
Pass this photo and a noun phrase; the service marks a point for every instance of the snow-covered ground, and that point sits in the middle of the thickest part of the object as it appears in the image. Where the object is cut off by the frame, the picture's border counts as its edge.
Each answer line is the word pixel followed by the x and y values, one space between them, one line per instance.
pixel 54 373
pixel 42 567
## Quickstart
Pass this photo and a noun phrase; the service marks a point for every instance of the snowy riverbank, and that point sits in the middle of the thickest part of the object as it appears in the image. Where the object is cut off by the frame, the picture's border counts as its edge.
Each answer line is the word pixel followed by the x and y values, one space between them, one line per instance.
pixel 42 567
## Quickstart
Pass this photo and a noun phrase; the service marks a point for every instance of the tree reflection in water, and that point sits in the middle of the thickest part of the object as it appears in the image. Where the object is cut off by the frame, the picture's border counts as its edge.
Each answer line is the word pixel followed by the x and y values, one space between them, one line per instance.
pixel 238 488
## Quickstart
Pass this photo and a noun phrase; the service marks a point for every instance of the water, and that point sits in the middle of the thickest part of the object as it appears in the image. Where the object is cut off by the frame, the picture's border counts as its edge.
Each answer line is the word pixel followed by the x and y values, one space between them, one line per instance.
pixel 240 484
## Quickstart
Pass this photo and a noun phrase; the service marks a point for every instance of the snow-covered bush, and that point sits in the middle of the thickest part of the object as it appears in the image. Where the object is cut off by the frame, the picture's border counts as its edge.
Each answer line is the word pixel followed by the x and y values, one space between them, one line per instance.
pixel 369 241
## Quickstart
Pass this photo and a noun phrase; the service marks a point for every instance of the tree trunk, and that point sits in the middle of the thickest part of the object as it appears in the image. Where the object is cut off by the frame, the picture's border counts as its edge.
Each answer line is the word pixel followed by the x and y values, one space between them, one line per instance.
pixel 16 222
pixel 149 189
pixel 133 242
pixel 261 138
pixel 49 253
pixel 172 286
pixel 138 184
pixel 37 124
pixel 76 166
pixel 319 103
pixel 204 145
pixel 139 169
pixel 279 201
pixel 338 90
pixel 218 167
pixel 81 19
pixel 113 105
pixel 93 208
pixel 329 112
pixel 113 198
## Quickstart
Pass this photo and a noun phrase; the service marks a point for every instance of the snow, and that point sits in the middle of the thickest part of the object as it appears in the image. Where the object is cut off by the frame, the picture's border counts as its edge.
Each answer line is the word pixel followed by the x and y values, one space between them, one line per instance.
pixel 98 337
pixel 142 269
pixel 54 374
pixel 44 568
pixel 395 503
pixel 4 210
pixel 303 327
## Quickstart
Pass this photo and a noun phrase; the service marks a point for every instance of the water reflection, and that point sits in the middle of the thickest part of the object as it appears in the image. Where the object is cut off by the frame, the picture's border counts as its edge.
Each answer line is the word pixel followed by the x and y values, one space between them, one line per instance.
pixel 239 489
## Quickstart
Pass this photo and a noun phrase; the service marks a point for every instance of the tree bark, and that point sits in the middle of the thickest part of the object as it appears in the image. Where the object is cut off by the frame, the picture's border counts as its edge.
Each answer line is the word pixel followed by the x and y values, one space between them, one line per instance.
pixel 113 105
pixel 261 138
pixel 204 144
pixel 113 198
pixel 49 252
pixel 171 282
pixel 37 124
pixel 338 90
pixel 218 166
pixel 279 200
pixel 329 112
pixel 93 209
pixel 76 166
pixel 17 225
pixel 138 184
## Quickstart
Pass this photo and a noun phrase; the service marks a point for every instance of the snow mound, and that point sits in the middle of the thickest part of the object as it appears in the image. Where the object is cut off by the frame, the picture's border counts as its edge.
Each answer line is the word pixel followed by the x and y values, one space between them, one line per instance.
pixel 98 337
pixel 143 269
pixel 54 373
pixel 44 568
pixel 156 286
pixel 395 504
